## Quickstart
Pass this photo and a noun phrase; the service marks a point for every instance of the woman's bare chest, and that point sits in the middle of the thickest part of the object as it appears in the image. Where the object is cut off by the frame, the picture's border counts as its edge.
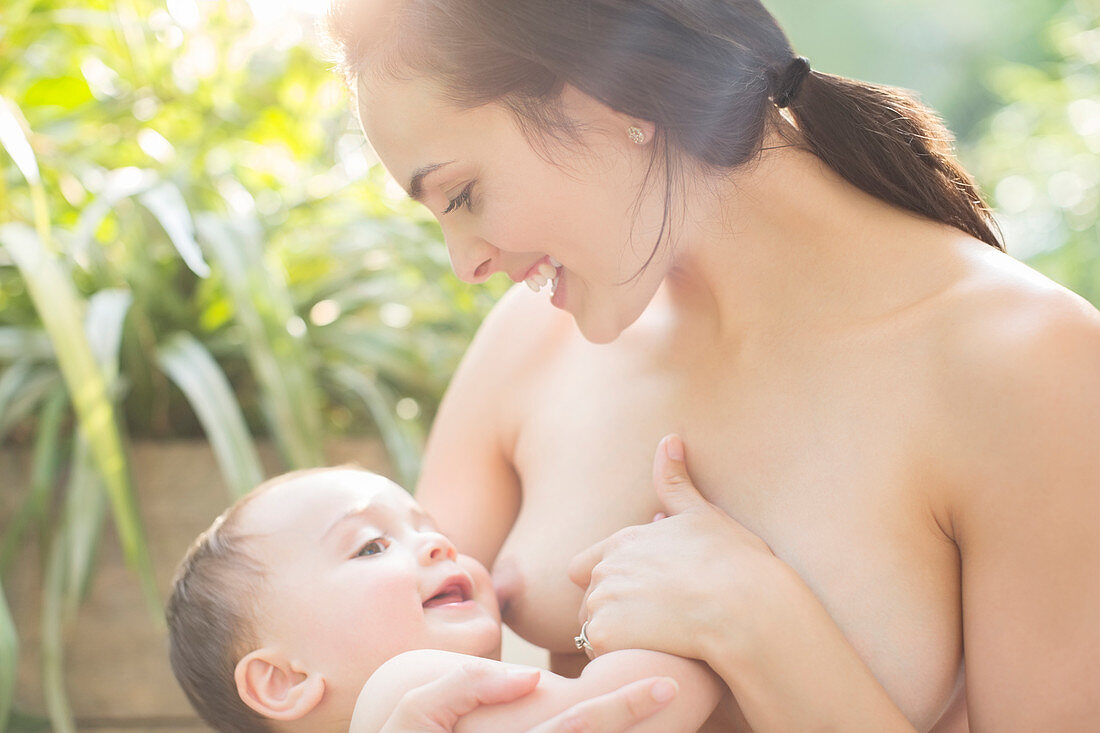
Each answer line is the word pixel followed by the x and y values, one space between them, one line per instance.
pixel 816 466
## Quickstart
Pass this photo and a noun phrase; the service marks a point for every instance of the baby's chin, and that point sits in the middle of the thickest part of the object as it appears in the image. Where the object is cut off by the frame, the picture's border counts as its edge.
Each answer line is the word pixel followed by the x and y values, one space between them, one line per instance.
pixel 484 641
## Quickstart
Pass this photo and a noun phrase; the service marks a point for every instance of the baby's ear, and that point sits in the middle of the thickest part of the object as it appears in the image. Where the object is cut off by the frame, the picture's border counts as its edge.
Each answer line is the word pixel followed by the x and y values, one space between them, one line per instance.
pixel 275 688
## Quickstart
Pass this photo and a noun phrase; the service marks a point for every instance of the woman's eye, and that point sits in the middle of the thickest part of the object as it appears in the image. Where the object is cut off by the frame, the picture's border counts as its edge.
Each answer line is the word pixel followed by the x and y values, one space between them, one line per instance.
pixel 463 199
pixel 375 546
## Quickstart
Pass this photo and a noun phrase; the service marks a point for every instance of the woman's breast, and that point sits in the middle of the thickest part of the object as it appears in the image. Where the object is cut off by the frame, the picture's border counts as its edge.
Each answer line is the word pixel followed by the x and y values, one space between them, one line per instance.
pixel 835 501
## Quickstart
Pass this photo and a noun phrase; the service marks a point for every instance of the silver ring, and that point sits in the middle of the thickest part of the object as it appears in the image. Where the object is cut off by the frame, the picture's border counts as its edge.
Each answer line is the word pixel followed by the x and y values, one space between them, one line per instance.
pixel 582 641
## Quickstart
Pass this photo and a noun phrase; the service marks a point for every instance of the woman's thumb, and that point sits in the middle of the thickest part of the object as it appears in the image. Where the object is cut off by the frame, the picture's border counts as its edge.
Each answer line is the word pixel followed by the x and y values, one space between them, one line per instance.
pixel 670 476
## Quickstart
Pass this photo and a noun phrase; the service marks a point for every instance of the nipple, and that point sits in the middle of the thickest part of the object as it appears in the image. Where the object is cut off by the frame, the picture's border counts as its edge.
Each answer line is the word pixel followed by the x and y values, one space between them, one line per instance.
pixel 507 582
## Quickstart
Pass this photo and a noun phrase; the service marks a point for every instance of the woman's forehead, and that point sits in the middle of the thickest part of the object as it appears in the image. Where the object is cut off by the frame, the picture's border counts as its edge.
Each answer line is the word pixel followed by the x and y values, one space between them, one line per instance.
pixel 410 125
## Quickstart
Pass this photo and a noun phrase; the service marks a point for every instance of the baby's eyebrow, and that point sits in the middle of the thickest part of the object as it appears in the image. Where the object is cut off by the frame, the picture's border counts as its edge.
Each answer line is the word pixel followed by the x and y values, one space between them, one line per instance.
pixel 373 510
pixel 352 513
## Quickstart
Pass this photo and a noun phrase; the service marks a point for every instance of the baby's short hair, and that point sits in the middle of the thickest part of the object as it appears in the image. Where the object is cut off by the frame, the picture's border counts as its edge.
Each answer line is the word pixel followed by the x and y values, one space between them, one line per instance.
pixel 212 616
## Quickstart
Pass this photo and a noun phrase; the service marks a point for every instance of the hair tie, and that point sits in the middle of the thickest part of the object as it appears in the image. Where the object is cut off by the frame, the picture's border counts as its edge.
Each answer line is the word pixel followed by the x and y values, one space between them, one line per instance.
pixel 790 81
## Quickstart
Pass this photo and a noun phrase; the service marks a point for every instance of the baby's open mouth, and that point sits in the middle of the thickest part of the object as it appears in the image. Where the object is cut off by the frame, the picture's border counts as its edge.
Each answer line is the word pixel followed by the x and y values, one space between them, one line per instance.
pixel 455 589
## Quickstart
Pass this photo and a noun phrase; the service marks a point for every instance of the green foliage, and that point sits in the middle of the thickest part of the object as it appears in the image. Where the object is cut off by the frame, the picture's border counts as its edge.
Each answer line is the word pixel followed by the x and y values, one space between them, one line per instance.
pixel 1040 153
pixel 194 241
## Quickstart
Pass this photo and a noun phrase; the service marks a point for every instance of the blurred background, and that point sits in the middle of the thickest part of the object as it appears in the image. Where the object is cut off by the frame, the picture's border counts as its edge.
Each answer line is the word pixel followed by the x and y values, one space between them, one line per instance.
pixel 205 279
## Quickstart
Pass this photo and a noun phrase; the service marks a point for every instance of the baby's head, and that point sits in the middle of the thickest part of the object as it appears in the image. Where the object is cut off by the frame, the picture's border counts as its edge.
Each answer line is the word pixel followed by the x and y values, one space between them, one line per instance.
pixel 283 608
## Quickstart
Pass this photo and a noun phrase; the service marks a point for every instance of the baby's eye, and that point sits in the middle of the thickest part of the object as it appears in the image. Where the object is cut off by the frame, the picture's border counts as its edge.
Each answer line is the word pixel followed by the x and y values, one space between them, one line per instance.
pixel 374 547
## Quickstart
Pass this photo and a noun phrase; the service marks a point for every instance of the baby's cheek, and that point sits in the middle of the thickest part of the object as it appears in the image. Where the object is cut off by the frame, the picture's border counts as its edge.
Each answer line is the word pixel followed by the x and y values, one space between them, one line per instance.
pixel 389 619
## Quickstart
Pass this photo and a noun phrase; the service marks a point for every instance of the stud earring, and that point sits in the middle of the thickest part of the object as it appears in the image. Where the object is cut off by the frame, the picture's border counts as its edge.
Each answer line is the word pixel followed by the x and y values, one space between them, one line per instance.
pixel 636 134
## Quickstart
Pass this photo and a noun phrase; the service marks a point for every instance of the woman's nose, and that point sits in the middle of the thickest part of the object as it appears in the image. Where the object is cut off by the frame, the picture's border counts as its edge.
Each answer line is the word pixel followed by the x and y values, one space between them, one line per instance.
pixel 436 548
pixel 471 257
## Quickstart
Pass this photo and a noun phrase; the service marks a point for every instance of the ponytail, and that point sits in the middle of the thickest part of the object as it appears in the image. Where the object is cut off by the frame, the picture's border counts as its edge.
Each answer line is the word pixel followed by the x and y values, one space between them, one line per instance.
pixel 883 140
pixel 705 72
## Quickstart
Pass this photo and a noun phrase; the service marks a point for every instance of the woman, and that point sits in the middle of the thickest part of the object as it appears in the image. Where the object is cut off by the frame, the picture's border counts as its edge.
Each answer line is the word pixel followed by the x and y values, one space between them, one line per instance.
pixel 891 421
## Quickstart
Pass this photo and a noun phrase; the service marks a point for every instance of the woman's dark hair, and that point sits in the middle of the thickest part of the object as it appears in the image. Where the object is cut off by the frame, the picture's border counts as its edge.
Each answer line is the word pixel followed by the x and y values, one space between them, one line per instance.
pixel 705 72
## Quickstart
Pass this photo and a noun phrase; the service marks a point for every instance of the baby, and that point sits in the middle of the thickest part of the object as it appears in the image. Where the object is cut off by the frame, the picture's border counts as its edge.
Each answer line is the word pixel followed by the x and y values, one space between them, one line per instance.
pixel 284 609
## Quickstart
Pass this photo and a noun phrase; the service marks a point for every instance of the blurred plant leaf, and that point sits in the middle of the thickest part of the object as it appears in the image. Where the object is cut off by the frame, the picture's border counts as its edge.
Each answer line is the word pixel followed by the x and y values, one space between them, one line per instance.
pixel 405 454
pixel 17 342
pixel 9 660
pixel 166 203
pixel 14 140
pixel 118 184
pixel 203 382
pixel 45 465
pixel 59 307
pixel 80 528
pixel 23 386
pixel 86 496
pixel 52 638
pixel 265 311
pixel 21 722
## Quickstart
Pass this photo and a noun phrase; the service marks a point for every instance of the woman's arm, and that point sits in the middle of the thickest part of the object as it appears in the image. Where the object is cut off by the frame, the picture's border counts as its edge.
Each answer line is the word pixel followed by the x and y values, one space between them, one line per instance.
pixel 467 482
pixel 1022 458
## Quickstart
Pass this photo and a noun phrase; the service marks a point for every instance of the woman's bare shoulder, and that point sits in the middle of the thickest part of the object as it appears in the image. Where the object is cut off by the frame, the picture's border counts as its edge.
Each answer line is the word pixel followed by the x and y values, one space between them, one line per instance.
pixel 1003 316
pixel 1015 385
pixel 1012 374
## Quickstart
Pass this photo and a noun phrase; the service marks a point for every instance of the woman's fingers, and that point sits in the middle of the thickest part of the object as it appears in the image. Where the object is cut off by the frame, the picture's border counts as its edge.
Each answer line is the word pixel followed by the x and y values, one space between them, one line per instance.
pixel 437 706
pixel 671 479
pixel 580 567
pixel 616 711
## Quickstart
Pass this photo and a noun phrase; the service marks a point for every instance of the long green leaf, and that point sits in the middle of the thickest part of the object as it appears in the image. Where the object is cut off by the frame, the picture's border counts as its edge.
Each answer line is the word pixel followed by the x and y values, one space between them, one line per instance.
pixel 60 308
pixel 405 454
pixel 23 386
pixel 86 498
pixel 264 309
pixel 202 381
pixel 14 139
pixel 81 527
pixel 9 660
pixel 30 343
pixel 118 184
pixel 52 639
pixel 167 204
pixel 103 325
pixel 45 466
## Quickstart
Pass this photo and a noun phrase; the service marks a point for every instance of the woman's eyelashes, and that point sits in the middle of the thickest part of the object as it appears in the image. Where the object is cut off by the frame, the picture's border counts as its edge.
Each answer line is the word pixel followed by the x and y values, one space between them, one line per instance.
pixel 463 199
pixel 374 547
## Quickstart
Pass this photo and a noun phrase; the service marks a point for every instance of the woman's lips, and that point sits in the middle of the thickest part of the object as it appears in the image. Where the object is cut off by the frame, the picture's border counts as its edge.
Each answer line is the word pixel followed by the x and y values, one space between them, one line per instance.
pixel 542 272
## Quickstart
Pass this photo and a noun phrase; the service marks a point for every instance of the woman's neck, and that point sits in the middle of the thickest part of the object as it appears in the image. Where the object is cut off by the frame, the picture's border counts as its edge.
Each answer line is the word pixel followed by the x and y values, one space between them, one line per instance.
pixel 786 244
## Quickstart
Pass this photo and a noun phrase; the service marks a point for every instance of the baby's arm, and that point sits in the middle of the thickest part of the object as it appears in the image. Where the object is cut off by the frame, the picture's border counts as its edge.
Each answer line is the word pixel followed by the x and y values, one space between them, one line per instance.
pixel 699 691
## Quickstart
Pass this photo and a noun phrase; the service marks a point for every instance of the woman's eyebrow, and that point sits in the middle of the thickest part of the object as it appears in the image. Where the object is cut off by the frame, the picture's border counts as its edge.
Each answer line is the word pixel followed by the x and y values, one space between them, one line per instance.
pixel 415 187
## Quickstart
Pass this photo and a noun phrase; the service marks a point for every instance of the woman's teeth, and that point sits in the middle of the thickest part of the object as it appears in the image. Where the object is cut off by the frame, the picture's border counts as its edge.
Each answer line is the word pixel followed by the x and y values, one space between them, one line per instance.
pixel 546 273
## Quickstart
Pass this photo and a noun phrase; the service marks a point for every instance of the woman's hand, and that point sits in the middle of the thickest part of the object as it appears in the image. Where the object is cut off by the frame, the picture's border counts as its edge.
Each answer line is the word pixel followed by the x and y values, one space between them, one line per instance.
pixel 684 582
pixel 437 706
pixel 616 711
pixel 697 584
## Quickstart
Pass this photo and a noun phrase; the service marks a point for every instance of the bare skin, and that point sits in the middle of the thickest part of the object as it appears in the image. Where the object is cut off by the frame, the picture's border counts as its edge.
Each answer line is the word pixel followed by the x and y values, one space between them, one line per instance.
pixel 858 387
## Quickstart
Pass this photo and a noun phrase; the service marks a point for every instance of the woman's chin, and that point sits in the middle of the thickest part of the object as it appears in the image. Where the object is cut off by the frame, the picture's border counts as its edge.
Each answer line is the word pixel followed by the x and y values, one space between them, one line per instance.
pixel 599 336
pixel 606 324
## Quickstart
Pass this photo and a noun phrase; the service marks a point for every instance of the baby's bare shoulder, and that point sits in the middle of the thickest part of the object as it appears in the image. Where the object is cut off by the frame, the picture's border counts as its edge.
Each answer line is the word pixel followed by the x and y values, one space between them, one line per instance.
pixel 401 675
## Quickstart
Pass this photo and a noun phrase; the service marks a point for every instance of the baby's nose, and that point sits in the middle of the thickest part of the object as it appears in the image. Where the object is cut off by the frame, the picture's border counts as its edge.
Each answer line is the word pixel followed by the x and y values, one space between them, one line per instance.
pixel 436 548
